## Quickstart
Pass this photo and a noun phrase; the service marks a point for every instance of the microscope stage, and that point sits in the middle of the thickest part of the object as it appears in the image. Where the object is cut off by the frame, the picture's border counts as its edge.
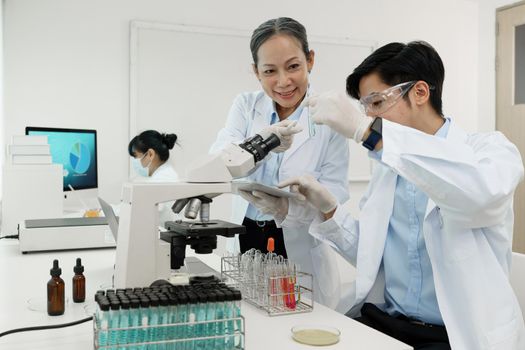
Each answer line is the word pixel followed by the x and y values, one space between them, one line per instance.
pixel 200 229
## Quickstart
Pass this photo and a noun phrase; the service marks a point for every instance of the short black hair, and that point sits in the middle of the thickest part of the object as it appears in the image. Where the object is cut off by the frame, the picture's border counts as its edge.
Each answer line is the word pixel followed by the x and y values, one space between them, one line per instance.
pixel 281 25
pixel 397 63
pixel 160 143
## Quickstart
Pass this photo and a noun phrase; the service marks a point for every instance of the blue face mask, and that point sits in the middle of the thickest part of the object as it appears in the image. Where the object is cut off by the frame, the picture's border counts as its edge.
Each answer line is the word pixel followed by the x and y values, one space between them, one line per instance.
pixel 139 168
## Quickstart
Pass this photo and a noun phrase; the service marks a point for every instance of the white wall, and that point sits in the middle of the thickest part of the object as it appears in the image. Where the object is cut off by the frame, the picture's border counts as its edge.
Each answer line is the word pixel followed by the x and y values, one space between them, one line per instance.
pixel 66 62
pixel 1 95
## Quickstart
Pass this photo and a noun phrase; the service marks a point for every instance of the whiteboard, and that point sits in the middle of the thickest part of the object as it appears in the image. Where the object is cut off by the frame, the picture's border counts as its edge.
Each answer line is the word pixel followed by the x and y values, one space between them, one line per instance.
pixel 183 79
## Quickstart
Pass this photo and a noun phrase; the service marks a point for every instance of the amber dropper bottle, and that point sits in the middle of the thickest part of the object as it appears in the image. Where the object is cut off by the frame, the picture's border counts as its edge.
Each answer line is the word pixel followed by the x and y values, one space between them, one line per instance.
pixel 55 292
pixel 79 283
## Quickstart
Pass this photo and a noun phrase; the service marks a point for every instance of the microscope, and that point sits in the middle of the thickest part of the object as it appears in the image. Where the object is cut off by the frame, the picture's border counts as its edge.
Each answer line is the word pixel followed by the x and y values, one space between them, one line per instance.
pixel 143 255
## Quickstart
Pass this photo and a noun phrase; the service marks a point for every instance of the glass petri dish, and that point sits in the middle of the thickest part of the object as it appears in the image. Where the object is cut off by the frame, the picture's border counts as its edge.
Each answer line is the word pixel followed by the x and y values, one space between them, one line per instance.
pixel 39 304
pixel 316 335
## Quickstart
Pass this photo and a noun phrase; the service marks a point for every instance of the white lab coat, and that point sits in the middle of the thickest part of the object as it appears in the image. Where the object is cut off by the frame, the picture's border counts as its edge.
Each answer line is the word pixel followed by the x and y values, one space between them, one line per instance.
pixel 324 156
pixel 164 173
pixel 470 181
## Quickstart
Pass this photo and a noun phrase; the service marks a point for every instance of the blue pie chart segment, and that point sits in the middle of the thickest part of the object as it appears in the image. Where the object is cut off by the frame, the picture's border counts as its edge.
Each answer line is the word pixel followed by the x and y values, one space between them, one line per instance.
pixel 79 158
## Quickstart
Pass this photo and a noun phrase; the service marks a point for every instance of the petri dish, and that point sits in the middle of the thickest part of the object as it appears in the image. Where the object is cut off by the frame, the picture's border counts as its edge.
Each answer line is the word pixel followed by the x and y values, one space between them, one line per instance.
pixel 40 304
pixel 316 335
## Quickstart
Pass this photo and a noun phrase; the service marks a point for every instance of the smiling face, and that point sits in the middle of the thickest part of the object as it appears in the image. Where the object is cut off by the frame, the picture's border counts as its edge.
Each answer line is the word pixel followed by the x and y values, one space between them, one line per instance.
pixel 283 69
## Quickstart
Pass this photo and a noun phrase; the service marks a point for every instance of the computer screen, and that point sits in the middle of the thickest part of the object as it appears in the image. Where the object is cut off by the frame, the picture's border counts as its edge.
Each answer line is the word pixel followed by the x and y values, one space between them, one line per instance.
pixel 76 150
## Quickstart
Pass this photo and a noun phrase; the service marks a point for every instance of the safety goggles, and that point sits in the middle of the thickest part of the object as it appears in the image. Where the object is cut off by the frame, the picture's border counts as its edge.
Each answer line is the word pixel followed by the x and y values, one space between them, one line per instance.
pixel 379 102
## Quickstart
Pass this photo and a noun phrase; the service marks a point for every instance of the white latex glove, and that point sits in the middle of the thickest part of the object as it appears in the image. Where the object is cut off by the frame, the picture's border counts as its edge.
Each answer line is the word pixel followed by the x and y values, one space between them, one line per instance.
pixel 275 206
pixel 285 130
pixel 311 190
pixel 335 110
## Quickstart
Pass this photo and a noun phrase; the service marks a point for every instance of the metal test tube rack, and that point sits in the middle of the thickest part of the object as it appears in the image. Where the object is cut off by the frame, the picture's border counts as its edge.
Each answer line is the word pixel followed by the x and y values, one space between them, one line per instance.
pixel 265 292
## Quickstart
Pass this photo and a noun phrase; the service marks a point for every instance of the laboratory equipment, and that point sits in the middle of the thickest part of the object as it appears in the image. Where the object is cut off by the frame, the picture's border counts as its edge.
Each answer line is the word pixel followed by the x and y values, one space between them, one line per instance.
pixel 270 282
pixel 76 150
pixel 64 233
pixel 316 335
pixel 199 316
pixel 79 283
pixel 55 292
pixel 141 257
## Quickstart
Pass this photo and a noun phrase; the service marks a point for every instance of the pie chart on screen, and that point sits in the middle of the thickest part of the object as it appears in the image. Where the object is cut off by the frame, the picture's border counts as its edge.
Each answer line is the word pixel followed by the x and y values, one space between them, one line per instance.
pixel 79 158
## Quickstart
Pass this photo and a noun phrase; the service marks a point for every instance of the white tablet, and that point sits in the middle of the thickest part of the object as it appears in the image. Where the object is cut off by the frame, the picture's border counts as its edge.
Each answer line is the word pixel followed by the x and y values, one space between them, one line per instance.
pixel 250 186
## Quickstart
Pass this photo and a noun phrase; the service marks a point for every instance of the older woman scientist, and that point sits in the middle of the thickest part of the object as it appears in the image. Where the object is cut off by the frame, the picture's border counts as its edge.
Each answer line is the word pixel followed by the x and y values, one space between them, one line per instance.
pixel 282 62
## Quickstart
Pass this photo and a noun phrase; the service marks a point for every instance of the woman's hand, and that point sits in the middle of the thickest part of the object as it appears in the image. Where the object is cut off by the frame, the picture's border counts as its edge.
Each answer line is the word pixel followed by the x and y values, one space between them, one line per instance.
pixel 284 130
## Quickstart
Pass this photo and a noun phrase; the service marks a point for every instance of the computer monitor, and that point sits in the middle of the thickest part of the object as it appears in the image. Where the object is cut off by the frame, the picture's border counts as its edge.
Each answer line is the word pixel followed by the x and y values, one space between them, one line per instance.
pixel 76 150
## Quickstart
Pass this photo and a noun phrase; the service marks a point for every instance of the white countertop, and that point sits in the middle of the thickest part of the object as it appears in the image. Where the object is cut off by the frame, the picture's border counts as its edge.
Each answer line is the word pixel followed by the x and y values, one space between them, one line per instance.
pixel 24 277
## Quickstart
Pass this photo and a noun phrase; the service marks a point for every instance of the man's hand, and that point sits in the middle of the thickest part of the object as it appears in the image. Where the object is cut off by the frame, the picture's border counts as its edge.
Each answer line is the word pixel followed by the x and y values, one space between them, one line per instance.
pixel 312 191
pixel 275 206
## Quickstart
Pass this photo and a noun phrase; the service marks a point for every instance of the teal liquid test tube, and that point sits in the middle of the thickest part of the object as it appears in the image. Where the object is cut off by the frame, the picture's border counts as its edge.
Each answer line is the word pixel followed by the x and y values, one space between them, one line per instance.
pixel 237 297
pixel 220 329
pixel 103 322
pixel 164 320
pixel 114 319
pixel 200 328
pixel 143 335
pixel 183 318
pixel 211 315
pixel 154 320
pixel 191 329
pixel 229 308
pixel 134 323
pixel 123 322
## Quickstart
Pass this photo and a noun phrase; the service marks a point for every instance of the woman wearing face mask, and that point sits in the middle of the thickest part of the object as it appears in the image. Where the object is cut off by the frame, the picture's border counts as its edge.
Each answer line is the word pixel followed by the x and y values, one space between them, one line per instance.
pixel 282 62
pixel 150 151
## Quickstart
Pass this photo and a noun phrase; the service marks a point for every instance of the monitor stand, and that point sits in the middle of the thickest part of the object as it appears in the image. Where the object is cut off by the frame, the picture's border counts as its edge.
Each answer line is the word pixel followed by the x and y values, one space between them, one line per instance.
pixel 80 200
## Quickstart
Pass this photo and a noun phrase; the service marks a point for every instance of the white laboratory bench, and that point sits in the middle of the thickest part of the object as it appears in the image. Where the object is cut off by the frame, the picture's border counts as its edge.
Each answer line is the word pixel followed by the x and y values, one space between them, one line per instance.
pixel 24 277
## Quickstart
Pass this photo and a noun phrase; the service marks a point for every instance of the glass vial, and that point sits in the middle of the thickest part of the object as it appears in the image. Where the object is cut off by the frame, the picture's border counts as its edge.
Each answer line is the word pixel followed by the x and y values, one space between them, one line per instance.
pixel 79 283
pixel 55 292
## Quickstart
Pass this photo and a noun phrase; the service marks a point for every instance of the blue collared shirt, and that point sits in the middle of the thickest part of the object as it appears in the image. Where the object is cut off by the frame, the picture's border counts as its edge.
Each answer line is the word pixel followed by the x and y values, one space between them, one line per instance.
pixel 409 282
pixel 268 173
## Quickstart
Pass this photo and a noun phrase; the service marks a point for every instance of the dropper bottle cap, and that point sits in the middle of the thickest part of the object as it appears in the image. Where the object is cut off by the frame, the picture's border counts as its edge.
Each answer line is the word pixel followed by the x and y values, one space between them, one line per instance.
pixel 78 269
pixel 55 271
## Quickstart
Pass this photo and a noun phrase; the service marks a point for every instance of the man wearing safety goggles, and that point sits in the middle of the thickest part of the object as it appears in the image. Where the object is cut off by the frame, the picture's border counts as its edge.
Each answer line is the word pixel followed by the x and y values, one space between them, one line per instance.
pixel 434 234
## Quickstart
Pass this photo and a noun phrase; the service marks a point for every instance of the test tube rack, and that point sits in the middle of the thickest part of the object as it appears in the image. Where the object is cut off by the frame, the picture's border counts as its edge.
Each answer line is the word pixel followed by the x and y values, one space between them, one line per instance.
pixel 233 339
pixel 281 295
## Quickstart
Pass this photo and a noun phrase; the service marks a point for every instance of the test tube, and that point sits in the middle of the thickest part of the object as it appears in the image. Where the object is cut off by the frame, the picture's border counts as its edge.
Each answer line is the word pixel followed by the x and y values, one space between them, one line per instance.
pixel 114 319
pixel 220 328
pixel 164 317
pixel 211 315
pixel 134 322
pixel 123 322
pixel 191 330
pixel 143 335
pixel 173 330
pixel 237 297
pixel 103 321
pixel 200 329
pixel 229 314
pixel 153 321
pixel 183 318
